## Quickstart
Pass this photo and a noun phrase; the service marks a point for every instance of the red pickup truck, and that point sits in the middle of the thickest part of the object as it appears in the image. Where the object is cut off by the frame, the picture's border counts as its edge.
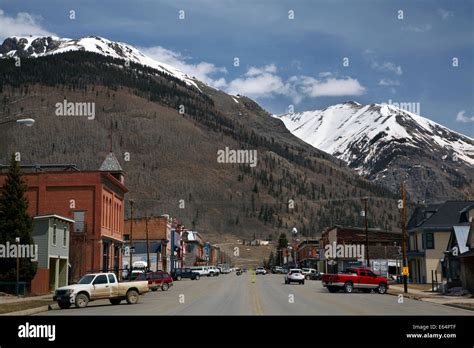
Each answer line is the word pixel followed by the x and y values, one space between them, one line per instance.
pixel 355 278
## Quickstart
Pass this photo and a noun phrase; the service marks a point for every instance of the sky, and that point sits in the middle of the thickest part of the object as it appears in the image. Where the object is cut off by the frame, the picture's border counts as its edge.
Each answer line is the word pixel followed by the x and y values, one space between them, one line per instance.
pixel 300 55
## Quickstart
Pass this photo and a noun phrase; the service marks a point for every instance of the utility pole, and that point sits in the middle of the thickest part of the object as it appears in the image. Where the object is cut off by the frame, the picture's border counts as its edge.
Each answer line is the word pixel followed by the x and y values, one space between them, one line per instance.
pixel 366 232
pixel 131 239
pixel 17 240
pixel 404 237
pixel 147 242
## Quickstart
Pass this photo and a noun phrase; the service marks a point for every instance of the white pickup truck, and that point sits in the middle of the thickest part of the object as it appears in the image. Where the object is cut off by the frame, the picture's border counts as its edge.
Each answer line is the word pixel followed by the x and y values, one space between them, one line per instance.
pixel 97 286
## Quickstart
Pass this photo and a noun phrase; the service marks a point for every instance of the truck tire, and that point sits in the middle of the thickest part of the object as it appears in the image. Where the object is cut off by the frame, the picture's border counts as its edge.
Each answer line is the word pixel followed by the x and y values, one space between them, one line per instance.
pixel 115 301
pixel 382 289
pixel 165 287
pixel 81 301
pixel 132 296
pixel 178 277
pixel 211 274
pixel 333 289
pixel 306 277
pixel 348 287
pixel 64 305
pixel 196 277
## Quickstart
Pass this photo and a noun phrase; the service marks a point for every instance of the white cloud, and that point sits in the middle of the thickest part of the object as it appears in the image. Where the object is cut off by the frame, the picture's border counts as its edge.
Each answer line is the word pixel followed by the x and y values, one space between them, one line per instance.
pixel 330 87
pixel 259 83
pixel 389 82
pixel 418 28
pixel 24 24
pixel 462 118
pixel 264 82
pixel 325 74
pixel 203 71
pixel 445 14
pixel 375 64
pixel 253 71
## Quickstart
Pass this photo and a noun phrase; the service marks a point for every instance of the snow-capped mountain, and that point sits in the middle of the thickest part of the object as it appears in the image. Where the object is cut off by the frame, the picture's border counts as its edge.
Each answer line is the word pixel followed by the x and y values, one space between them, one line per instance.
pixel 380 141
pixel 37 46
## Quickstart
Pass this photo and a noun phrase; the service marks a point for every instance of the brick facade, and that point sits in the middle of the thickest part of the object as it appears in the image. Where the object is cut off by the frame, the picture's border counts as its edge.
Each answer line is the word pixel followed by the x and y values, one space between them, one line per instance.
pixel 98 197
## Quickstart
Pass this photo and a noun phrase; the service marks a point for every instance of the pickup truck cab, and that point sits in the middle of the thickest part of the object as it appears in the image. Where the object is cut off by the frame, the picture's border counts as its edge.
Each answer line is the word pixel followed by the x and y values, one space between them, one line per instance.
pixel 97 286
pixel 355 278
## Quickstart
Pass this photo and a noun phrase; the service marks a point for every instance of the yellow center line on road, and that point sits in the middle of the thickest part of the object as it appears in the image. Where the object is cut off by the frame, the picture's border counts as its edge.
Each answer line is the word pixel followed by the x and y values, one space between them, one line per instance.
pixel 257 308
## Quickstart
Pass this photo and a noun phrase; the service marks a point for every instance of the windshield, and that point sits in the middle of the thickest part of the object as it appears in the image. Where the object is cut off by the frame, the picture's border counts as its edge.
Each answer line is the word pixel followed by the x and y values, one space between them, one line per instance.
pixel 87 279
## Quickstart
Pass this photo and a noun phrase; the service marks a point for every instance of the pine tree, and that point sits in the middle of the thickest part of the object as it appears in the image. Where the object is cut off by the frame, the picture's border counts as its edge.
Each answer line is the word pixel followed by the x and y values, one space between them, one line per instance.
pixel 15 222
pixel 282 244
pixel 271 260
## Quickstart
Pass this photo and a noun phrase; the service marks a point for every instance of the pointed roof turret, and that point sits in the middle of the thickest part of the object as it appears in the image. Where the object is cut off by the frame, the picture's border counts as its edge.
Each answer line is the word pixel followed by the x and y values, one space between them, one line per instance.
pixel 110 164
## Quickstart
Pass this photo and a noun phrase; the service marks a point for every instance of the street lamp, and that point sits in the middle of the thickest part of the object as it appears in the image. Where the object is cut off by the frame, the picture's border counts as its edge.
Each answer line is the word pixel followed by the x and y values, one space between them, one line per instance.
pixel 294 233
pixel 364 212
pixel 17 241
pixel 131 202
pixel 23 121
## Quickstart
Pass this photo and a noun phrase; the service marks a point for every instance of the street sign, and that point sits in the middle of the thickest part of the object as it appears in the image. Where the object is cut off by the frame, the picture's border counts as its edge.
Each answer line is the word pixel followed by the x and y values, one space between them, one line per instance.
pixel 405 271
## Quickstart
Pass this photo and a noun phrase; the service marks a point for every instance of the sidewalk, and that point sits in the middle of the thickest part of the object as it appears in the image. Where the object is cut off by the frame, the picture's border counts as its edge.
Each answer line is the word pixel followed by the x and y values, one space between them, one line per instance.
pixel 433 297
pixel 24 305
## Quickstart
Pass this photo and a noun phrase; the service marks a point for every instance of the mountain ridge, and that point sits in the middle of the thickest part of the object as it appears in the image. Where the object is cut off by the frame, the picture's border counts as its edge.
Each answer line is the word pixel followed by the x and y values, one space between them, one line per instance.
pixel 38 46
pixel 174 154
pixel 371 138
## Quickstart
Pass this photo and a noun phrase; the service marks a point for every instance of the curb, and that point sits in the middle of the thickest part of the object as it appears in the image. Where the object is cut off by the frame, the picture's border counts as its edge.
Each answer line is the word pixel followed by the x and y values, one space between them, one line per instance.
pixel 414 297
pixel 32 311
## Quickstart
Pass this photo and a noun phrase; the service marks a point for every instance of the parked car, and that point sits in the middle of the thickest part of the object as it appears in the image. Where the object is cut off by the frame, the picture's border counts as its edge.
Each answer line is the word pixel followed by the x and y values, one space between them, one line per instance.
pixel 260 270
pixel 213 271
pixel 180 273
pixel 355 278
pixel 136 273
pixel 316 275
pixel 157 280
pixel 97 286
pixel 202 270
pixel 277 270
pixel 294 275
pixel 224 268
pixel 307 272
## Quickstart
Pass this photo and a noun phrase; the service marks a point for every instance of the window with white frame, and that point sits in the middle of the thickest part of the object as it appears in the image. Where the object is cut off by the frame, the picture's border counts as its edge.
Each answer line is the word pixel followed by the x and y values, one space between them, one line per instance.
pixel 54 234
pixel 65 237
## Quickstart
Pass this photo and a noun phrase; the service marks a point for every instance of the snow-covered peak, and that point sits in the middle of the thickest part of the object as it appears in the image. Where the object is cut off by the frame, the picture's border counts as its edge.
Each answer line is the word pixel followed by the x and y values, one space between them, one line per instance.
pixel 358 134
pixel 37 46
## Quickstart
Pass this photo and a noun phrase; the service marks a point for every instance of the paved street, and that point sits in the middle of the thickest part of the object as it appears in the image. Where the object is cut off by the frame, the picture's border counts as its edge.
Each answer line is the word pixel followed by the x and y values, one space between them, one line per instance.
pixel 237 295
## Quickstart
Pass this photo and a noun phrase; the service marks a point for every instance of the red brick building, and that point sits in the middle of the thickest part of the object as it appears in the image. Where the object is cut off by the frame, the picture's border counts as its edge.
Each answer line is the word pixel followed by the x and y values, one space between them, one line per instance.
pixel 308 253
pixel 94 200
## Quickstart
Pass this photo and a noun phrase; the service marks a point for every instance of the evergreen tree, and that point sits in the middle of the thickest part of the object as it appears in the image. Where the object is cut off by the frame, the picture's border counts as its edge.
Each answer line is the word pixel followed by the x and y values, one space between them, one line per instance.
pixel 282 244
pixel 271 260
pixel 15 222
